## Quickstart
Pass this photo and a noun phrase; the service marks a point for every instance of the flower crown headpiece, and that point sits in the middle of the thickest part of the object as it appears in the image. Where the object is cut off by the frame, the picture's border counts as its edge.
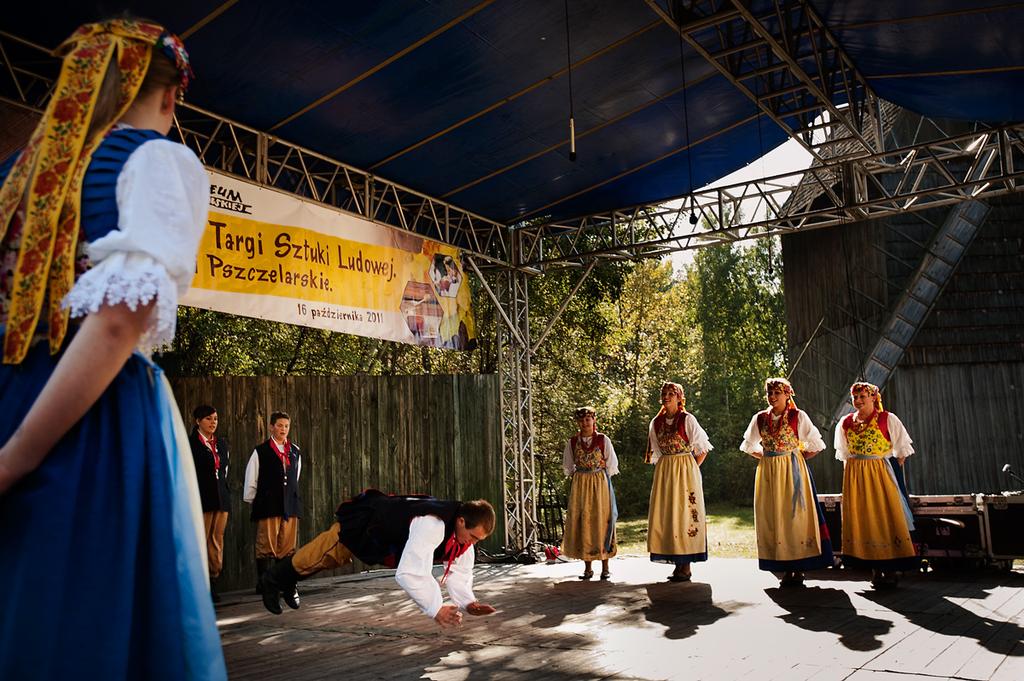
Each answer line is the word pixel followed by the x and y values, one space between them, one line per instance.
pixel 174 49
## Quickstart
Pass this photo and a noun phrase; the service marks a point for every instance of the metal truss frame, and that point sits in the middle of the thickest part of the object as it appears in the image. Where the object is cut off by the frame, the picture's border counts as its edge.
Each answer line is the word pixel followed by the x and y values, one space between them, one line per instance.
pixel 786 62
pixel 521 488
pixel 522 523
pixel 268 161
pixel 789 64
pixel 274 163
pixel 973 165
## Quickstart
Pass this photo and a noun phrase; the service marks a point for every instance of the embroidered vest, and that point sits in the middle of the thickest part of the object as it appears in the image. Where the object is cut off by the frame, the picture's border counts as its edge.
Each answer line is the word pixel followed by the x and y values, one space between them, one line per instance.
pixel 786 438
pixel 672 437
pixel 99 186
pixel 871 439
pixel 588 457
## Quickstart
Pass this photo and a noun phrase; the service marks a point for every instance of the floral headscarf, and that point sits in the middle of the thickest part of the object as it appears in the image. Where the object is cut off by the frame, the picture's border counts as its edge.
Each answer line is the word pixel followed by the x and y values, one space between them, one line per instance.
pixel 49 171
pixel 786 387
pixel 871 389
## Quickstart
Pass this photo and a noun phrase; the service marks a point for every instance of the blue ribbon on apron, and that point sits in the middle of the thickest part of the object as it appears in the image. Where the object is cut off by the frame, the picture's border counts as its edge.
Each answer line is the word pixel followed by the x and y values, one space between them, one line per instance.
pixel 798 479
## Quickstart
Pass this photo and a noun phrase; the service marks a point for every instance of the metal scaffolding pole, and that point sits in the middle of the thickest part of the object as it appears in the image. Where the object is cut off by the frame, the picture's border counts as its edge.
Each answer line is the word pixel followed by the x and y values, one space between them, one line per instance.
pixel 521 528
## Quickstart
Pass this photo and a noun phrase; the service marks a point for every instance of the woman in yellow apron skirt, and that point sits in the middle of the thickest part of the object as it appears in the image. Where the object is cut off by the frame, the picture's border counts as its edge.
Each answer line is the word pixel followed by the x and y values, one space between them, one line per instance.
pixel 789 523
pixel 873 446
pixel 590 459
pixel 677 445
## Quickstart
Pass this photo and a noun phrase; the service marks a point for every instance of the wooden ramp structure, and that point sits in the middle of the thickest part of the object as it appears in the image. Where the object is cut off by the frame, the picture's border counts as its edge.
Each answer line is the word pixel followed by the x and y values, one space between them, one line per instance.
pixel 731 622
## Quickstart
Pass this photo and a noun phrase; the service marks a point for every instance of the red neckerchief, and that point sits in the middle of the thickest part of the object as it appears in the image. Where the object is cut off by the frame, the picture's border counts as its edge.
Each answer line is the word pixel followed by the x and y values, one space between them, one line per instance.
pixel 212 445
pixel 285 456
pixel 452 550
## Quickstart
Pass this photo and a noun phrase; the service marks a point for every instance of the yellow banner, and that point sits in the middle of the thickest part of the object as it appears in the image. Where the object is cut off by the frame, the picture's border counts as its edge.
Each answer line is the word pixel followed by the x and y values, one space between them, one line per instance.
pixel 274 256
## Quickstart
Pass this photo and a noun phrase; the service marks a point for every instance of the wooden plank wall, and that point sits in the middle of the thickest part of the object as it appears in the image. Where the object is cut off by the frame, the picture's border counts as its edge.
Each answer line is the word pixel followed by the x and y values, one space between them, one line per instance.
pixel 831 276
pixel 967 420
pixel 438 435
pixel 960 387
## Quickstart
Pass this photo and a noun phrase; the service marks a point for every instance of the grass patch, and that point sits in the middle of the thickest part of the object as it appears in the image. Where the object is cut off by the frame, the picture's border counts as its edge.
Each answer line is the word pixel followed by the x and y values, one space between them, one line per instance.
pixel 730 532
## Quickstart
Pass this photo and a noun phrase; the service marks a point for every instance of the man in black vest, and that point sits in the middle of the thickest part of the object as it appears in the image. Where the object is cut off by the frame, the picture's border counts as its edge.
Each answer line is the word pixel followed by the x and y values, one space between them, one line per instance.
pixel 409 533
pixel 272 487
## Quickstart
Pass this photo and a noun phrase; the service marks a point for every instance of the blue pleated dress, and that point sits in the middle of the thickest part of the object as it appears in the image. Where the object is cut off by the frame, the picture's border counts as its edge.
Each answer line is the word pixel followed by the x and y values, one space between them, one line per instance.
pixel 102 575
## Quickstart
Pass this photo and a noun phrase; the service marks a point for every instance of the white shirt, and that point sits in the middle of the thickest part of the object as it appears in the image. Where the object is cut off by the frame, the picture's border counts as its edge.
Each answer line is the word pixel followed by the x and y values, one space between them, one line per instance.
pixel 694 433
pixel 426 533
pixel 807 433
pixel 611 461
pixel 162 201
pixel 205 440
pixel 252 474
pixel 902 445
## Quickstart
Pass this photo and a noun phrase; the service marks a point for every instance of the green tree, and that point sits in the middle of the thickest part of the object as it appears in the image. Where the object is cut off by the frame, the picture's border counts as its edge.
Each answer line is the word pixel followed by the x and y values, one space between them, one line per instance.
pixel 738 310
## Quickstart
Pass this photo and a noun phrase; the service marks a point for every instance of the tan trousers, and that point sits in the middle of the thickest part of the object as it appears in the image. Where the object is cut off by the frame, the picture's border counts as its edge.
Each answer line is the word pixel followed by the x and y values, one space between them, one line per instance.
pixel 214 523
pixel 275 537
pixel 325 552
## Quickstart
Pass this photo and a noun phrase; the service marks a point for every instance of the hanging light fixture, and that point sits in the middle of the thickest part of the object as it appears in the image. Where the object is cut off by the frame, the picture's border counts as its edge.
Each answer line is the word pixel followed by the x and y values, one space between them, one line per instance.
pixel 678 12
pixel 568 61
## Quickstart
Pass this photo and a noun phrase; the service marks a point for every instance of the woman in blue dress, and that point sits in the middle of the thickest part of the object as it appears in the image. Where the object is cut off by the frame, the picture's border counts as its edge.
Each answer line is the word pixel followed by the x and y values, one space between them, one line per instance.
pixel 100 217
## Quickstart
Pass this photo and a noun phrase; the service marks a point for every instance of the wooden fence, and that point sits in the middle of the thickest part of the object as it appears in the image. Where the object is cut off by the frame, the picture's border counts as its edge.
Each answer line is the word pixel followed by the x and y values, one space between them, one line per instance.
pixel 438 435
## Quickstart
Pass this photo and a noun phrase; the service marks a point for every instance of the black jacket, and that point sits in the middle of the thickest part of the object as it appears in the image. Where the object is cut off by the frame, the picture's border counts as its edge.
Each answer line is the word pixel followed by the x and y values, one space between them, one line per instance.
pixel 213 483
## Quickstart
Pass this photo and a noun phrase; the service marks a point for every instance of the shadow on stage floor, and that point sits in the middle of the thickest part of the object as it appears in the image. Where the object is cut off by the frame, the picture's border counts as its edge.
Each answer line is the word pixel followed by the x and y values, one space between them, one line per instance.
pixel 731 622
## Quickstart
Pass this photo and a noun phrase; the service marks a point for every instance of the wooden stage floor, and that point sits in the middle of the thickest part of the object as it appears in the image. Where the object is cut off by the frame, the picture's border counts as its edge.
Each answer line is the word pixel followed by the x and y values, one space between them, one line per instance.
pixel 731 622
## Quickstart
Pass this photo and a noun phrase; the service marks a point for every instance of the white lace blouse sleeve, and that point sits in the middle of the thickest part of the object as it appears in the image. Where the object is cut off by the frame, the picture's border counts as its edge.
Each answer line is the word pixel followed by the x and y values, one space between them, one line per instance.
pixel 567 463
pixel 809 434
pixel 902 445
pixel 697 437
pixel 611 459
pixel 842 451
pixel 653 441
pixel 752 438
pixel 162 196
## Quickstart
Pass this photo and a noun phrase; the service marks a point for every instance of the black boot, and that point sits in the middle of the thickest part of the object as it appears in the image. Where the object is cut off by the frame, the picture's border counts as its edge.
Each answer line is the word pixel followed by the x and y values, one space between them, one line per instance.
pixel 214 596
pixel 280 581
pixel 262 565
pixel 289 592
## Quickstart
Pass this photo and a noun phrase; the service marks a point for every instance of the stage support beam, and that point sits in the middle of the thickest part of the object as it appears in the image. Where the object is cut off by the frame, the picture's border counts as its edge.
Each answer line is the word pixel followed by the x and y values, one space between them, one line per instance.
pixel 974 165
pixel 521 531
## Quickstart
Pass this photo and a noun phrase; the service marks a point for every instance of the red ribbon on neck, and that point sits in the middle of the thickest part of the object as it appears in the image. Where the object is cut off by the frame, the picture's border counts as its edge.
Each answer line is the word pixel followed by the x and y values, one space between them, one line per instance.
pixel 285 455
pixel 212 442
pixel 452 550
